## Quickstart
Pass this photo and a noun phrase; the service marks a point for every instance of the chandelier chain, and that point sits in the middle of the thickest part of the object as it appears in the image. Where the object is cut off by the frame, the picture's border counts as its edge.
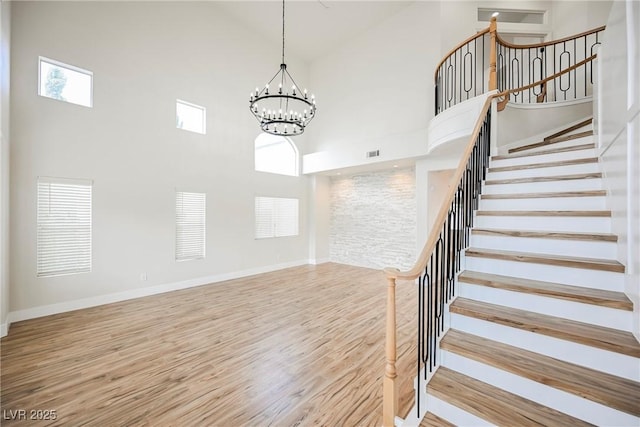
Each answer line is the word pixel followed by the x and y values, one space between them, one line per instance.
pixel 282 31
pixel 285 110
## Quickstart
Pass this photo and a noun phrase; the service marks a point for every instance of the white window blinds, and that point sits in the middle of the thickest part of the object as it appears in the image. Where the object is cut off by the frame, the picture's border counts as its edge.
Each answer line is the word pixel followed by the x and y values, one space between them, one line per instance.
pixel 190 225
pixel 276 217
pixel 64 226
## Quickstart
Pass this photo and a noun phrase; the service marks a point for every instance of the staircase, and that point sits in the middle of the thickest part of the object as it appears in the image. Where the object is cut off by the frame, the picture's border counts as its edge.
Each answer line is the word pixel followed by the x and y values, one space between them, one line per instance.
pixel 540 330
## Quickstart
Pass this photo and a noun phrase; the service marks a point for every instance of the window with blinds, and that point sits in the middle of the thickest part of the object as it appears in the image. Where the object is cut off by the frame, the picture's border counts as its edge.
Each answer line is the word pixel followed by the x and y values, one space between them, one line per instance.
pixel 276 217
pixel 63 226
pixel 190 225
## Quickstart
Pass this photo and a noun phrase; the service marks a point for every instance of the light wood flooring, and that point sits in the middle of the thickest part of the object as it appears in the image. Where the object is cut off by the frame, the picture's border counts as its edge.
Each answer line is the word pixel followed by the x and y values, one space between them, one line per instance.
pixel 299 347
pixel 497 406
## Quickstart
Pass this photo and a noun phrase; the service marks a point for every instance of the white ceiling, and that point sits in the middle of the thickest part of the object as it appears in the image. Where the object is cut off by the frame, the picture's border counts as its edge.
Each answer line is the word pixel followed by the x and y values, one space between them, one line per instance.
pixel 312 27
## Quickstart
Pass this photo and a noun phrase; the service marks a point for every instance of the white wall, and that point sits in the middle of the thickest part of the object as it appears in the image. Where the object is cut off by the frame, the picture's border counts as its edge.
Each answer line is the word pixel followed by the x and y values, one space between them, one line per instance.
pixel 619 112
pixel 143 56
pixel 572 17
pixel 519 124
pixel 377 89
pixel 439 184
pixel 373 219
pixel 5 53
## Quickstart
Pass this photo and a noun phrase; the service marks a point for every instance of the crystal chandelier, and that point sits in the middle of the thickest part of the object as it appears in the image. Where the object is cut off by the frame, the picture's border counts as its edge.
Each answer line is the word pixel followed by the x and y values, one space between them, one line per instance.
pixel 283 109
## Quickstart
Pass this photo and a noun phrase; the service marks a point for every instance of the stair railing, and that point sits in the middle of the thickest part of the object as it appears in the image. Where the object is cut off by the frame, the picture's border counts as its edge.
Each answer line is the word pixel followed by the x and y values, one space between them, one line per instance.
pixel 456 80
pixel 438 263
pixel 485 62
pixel 522 65
pixel 461 74
pixel 544 83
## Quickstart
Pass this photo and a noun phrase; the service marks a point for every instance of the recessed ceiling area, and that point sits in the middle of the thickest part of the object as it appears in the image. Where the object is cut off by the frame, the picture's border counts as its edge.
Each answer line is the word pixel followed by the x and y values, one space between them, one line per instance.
pixel 312 28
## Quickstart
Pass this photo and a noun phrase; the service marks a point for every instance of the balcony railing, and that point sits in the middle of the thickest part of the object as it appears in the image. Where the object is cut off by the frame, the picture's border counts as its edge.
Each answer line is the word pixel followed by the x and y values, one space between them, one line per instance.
pixel 486 62
pixel 522 65
pixel 461 74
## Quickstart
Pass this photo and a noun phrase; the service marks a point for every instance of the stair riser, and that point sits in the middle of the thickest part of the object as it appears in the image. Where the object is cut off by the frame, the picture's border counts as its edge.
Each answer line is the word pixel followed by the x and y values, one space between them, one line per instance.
pixel 589 249
pixel 570 143
pixel 544 187
pixel 586 313
pixel 602 360
pixel 559 400
pixel 548 171
pixel 453 414
pixel 568 224
pixel 549 273
pixel 597 203
pixel 542 158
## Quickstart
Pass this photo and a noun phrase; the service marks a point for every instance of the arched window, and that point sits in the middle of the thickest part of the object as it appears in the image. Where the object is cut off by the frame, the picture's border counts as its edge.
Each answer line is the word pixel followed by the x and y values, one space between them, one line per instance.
pixel 276 154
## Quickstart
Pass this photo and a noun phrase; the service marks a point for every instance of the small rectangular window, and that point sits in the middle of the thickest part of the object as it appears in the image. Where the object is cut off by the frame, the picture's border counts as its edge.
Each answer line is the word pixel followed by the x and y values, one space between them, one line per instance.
pixel 190 225
pixel 63 226
pixel 65 82
pixel 276 217
pixel 191 117
pixel 511 15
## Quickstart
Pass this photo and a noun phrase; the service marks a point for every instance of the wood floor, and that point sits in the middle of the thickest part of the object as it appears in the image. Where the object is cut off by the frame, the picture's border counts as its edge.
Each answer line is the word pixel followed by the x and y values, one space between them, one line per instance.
pixel 303 346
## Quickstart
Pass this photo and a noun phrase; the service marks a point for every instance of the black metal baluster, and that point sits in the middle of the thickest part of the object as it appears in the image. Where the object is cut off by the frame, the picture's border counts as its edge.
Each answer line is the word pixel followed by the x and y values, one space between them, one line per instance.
pixel 555 91
pixel 575 71
pixel 585 66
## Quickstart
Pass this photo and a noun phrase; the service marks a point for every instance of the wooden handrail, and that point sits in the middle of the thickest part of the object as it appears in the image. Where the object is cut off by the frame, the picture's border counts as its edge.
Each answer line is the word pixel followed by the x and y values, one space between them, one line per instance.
pixel 493 55
pixel 390 386
pixel 552 77
pixel 502 104
pixel 507 44
pixel 543 93
pixel 458 46
pixel 549 43
pixel 421 263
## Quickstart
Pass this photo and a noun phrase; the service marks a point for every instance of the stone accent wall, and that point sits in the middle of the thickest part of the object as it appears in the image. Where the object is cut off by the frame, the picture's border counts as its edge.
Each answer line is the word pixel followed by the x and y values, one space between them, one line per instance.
pixel 373 219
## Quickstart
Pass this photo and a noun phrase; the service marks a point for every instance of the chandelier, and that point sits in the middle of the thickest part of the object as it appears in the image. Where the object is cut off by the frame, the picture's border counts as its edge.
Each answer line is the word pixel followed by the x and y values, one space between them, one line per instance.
pixel 283 109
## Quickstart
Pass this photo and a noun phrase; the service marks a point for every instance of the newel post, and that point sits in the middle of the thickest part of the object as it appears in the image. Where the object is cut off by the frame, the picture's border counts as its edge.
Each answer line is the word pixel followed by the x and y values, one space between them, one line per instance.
pixel 390 387
pixel 493 80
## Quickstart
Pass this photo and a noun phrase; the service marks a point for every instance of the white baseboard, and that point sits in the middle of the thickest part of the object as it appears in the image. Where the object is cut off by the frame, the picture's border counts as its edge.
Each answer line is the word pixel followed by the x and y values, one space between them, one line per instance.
pixel 63 307
pixel 319 261
pixel 4 329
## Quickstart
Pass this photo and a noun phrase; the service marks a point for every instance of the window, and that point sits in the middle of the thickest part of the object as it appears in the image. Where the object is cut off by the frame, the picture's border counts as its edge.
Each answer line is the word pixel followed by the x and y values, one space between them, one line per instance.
pixel 64 226
pixel 276 154
pixel 190 225
pixel 64 82
pixel 276 217
pixel 510 15
pixel 191 117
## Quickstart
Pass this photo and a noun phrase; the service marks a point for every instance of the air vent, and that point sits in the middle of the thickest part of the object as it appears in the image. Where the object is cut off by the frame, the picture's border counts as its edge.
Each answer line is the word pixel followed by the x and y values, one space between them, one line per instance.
pixel 374 153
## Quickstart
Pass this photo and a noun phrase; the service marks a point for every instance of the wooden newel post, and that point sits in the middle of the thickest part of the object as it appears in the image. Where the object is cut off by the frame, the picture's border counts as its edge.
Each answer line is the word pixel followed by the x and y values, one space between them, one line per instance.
pixel 493 79
pixel 390 388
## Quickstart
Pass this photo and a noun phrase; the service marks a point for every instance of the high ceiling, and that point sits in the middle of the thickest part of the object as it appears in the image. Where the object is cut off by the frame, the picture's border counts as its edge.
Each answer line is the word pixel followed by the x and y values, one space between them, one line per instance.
pixel 313 27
